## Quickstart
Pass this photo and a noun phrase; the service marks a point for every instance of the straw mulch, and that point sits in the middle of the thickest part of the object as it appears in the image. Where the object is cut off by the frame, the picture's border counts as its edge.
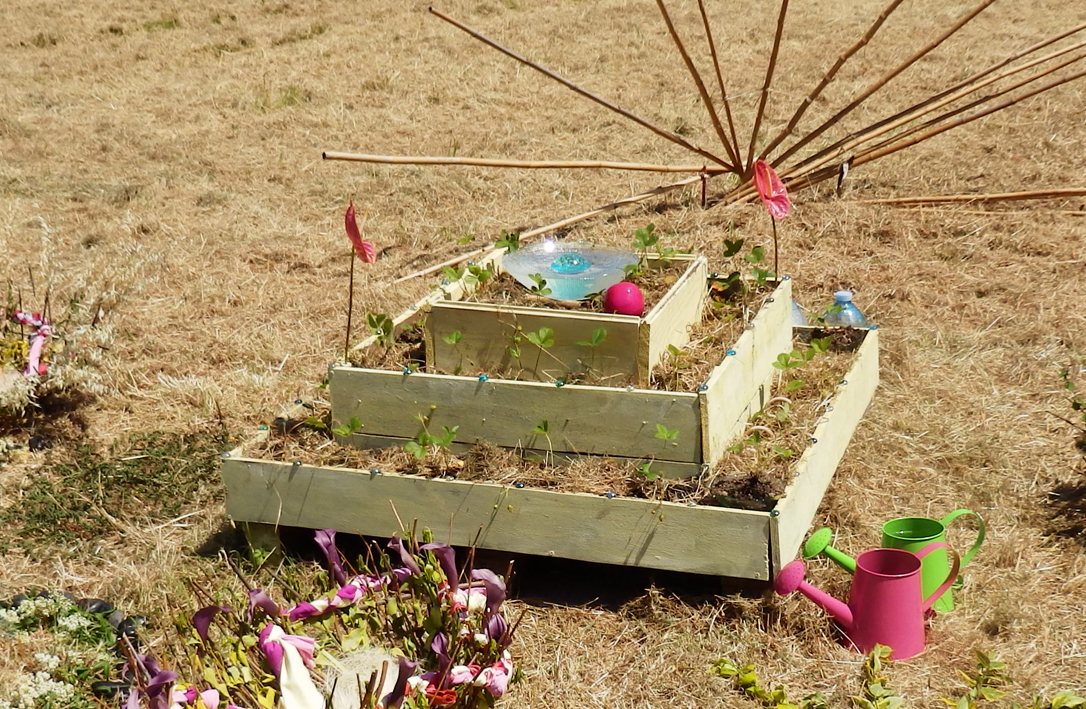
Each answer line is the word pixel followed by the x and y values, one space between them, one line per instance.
pixel 168 157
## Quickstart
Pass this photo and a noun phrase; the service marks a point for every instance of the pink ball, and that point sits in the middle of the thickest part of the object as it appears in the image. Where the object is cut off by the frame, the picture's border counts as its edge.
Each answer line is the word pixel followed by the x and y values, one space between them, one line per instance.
pixel 624 299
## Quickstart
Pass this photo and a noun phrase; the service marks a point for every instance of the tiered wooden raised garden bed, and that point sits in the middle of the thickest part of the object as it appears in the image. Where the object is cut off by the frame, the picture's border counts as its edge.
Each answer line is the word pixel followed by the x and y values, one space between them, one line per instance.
pixel 585 420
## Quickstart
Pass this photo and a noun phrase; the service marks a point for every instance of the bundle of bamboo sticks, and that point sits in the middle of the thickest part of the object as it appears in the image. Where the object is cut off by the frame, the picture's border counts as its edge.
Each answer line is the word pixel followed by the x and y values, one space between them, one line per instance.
pixel 1022 75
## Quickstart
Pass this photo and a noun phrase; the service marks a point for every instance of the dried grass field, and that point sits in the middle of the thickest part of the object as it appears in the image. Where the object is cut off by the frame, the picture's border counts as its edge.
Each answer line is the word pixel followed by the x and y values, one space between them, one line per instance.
pixel 163 160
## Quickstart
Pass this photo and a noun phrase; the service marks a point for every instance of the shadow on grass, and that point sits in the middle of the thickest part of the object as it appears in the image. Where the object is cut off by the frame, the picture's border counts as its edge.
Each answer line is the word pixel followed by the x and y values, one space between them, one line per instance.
pixel 541 581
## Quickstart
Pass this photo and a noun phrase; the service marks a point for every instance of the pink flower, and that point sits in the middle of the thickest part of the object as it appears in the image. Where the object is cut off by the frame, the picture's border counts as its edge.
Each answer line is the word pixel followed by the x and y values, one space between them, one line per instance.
pixel 364 249
pixel 771 190
pixel 495 679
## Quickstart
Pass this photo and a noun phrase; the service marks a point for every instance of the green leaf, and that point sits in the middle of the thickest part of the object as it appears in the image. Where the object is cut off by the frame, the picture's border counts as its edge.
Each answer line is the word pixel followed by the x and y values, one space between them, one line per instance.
pixel 784 361
pixel 794 385
pixel 354 425
pixel 415 449
pixel 645 469
pixel 543 338
pixel 756 255
pixel 453 338
pixel 644 238
pixel 543 428
pixel 510 241
pixel 598 336
pixel 731 248
pixel 665 434
pixel 354 639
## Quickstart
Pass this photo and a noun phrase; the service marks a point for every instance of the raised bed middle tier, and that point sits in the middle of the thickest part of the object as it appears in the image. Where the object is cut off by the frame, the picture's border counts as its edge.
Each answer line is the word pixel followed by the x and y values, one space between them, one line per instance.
pixel 616 422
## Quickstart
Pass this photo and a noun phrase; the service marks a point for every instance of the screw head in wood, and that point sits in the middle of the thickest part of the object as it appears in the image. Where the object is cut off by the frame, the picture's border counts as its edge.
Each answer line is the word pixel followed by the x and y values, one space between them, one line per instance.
pixel 730 353
pixel 406 371
pixel 518 485
pixel 225 455
pixel 703 387
pixel 560 383
pixel 375 471
pixel 483 377
pixel 297 401
pixel 609 495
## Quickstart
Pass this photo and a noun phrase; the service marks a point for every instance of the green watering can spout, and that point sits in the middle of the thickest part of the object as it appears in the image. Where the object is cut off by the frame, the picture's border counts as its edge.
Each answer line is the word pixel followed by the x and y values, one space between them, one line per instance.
pixel 819 543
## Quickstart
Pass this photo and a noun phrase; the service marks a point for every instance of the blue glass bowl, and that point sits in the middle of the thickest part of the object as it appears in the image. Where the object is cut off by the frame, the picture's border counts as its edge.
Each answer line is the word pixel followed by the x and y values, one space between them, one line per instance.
pixel 573 270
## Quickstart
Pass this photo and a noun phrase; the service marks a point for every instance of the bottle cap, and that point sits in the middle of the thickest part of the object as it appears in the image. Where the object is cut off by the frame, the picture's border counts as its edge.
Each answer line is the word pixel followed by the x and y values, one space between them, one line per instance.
pixel 843 296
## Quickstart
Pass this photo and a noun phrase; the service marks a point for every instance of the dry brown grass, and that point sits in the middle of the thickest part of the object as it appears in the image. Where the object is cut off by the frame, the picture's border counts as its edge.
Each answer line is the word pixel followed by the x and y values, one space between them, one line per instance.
pixel 170 156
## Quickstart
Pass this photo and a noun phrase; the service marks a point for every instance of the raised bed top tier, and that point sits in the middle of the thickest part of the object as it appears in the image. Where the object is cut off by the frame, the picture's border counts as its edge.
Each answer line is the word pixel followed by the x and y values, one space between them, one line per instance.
pixel 548 344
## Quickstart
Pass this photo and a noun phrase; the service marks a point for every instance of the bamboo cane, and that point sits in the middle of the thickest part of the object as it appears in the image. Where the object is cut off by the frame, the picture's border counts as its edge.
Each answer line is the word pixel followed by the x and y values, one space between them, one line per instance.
pixel 842 147
pixel 765 86
pixel 883 81
pixel 876 153
pixel 719 77
pixel 946 92
pixel 673 137
pixel 829 76
pixel 1059 193
pixel 524 164
pixel 558 225
pixel 973 104
pixel 698 83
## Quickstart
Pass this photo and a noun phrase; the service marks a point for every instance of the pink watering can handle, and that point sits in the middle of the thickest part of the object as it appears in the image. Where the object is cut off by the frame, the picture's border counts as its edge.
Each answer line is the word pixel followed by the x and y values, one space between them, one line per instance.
pixel 950 578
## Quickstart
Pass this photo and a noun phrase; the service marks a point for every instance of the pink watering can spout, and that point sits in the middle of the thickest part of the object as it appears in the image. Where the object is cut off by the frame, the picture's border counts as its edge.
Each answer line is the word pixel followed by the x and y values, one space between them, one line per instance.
pixel 790 579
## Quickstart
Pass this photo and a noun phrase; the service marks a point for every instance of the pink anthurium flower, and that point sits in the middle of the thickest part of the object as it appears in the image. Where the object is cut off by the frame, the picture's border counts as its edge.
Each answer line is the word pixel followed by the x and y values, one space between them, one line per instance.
pixel 201 619
pixel 495 679
pixel 364 249
pixel 771 190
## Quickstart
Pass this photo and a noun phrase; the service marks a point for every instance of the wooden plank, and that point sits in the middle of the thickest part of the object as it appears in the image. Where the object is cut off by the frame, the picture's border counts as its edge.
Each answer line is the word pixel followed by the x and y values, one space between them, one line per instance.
pixel 669 322
pixel 673 469
pixel 625 531
pixel 582 419
pixel 737 380
pixel 487 332
pixel 819 461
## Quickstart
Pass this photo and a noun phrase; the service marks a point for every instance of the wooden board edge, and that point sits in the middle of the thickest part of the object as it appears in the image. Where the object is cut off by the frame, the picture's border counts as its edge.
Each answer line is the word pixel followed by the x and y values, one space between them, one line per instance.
pixel 279 494
pixel 816 467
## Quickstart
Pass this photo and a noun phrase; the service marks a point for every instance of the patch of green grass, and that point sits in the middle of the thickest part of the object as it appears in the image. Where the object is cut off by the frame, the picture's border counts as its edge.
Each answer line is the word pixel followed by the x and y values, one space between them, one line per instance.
pixel 166 23
pixel 149 477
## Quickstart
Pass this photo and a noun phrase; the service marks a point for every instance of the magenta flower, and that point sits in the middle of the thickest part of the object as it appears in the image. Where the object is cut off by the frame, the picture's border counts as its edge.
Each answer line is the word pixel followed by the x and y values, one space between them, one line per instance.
pixel 495 588
pixel 259 599
pixel 395 698
pixel 201 619
pixel 495 679
pixel 446 556
pixel 396 544
pixel 326 540
pixel 771 190
pixel 272 639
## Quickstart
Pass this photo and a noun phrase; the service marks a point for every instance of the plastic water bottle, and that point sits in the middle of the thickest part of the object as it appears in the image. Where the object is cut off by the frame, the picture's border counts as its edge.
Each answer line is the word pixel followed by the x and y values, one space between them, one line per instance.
pixel 843 312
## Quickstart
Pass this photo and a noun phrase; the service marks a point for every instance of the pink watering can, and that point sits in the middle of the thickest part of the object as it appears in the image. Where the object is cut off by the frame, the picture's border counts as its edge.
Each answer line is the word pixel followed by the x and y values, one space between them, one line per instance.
pixel 885 605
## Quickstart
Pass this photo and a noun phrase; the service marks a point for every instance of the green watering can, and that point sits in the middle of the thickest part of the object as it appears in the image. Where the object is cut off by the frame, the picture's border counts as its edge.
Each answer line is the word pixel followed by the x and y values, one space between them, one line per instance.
pixel 911 534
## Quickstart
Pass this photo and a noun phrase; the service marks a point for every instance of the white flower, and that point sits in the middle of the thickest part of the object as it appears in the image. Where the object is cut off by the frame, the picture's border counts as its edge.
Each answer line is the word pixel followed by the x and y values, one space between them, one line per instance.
pixel 49 662
pixel 74 623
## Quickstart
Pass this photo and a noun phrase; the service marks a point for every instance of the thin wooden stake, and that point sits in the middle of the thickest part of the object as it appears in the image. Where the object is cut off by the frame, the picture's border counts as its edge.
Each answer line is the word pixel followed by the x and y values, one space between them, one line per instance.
pixel 520 164
pixel 720 80
pixel 350 313
pixel 1059 193
pixel 974 104
pixel 765 87
pixel 947 92
pixel 930 105
pixel 817 91
pixel 698 82
pixel 876 153
pixel 673 137
pixel 883 81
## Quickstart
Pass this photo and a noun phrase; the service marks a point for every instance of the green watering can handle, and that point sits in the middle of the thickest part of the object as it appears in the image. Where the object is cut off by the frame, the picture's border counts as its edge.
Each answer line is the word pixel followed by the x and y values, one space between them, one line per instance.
pixel 980 531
